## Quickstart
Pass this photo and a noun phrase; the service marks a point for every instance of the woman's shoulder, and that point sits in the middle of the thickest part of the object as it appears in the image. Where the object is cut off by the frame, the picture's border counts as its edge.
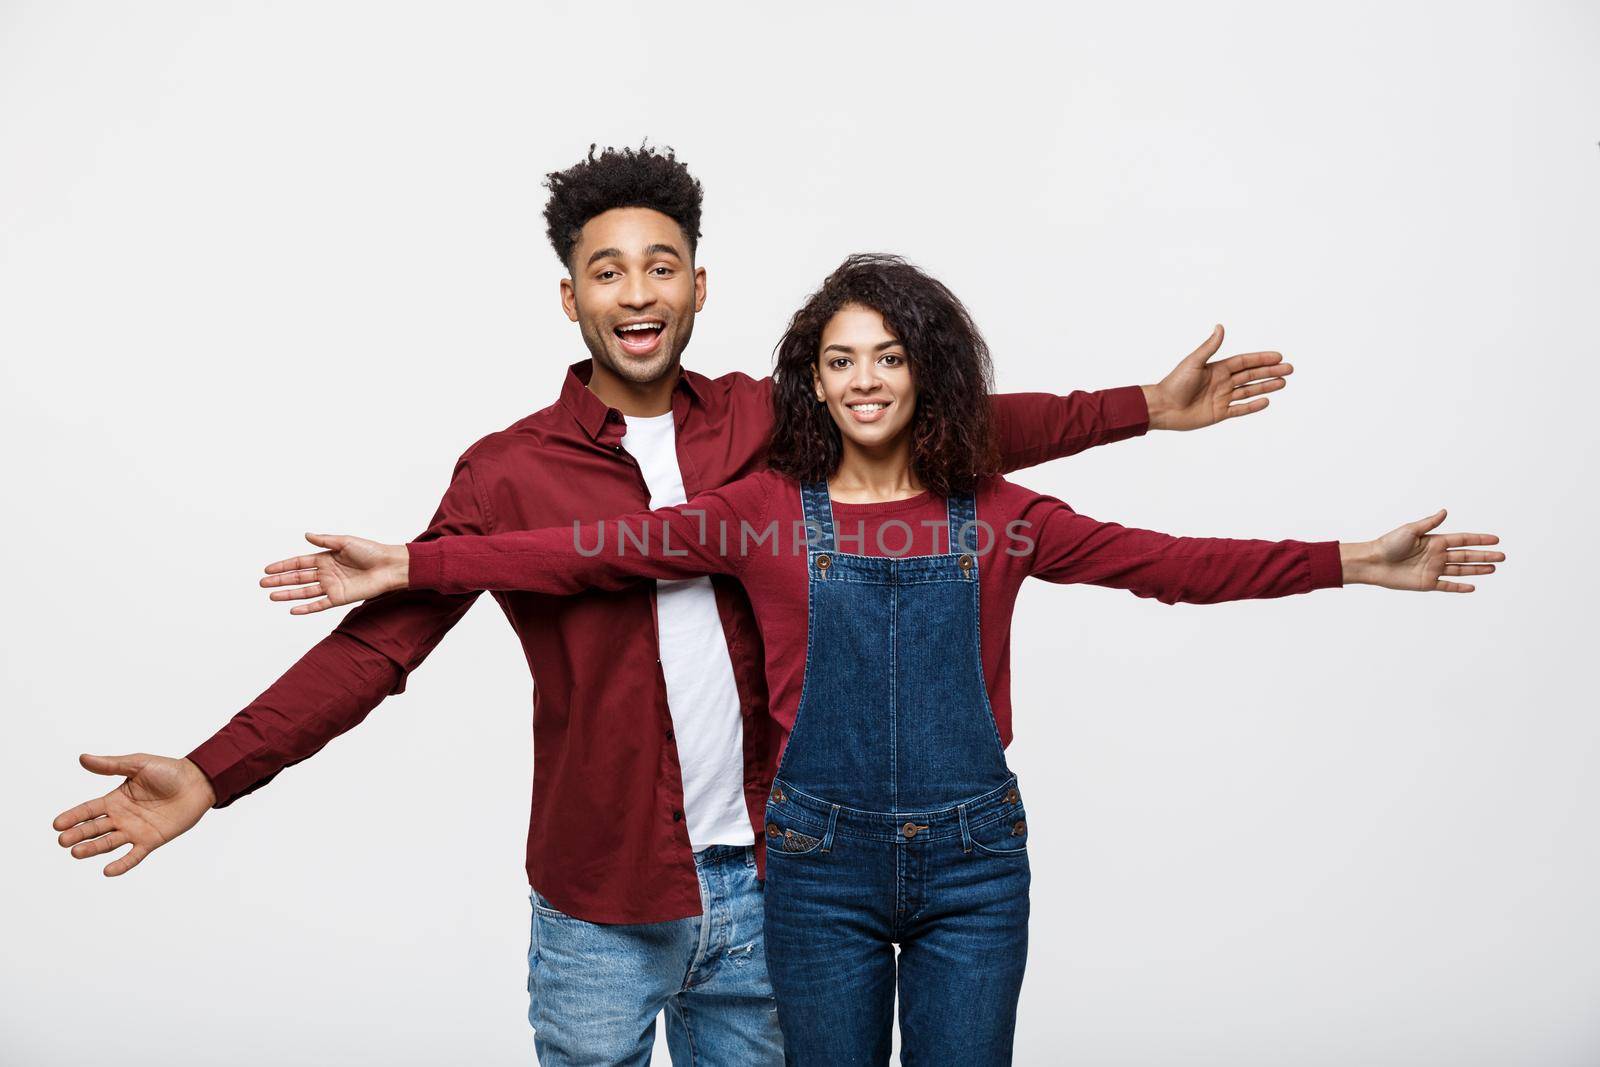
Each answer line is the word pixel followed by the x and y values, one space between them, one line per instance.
pixel 1003 496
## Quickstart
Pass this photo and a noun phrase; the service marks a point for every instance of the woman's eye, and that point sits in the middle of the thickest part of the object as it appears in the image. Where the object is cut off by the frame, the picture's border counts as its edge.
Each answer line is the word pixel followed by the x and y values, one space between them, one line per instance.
pixel 838 363
pixel 892 360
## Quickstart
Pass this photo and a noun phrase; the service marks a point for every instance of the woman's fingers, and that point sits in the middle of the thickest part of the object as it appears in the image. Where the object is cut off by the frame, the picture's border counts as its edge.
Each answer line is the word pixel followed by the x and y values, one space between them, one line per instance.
pixel 295 563
pixel 1452 587
pixel 126 863
pixel 305 574
pixel 1457 569
pixel 306 609
pixel 303 593
pixel 1235 410
pixel 100 845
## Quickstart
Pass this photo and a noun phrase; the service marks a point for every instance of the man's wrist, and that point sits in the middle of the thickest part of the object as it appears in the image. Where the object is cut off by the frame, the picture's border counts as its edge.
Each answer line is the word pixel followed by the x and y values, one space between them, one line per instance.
pixel 1155 405
pixel 202 781
pixel 1358 561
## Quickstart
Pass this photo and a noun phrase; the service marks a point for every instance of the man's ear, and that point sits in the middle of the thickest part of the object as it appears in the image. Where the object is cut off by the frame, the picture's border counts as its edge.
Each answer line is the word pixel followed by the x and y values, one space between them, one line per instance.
pixel 699 288
pixel 569 299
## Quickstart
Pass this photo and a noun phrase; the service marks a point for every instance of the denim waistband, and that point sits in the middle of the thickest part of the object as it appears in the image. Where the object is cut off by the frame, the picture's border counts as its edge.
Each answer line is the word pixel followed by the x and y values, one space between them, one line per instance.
pixel 712 854
pixel 801 808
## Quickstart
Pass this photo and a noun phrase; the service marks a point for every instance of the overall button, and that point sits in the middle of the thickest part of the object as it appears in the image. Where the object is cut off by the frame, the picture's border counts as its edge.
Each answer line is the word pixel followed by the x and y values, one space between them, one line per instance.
pixel 823 563
pixel 966 563
pixel 1019 828
pixel 772 829
pixel 910 830
pixel 1011 796
pixel 777 795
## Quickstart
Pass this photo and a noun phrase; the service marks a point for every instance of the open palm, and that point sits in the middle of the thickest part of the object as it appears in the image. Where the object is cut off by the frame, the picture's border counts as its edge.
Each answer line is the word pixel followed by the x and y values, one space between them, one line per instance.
pixel 1200 393
pixel 1410 557
pixel 353 569
pixel 160 799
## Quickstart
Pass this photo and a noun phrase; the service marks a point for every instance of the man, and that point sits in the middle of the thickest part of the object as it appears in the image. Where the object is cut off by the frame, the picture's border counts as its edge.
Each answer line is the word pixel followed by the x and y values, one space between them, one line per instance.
pixel 652 752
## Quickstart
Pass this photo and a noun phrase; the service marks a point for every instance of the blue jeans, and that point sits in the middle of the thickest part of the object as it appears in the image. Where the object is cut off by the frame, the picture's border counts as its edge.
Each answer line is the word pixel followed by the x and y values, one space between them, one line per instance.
pixel 595 990
pixel 844 886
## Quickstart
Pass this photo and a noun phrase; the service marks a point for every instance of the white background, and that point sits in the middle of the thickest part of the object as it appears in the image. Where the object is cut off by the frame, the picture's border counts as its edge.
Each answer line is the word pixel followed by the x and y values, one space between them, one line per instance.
pixel 270 268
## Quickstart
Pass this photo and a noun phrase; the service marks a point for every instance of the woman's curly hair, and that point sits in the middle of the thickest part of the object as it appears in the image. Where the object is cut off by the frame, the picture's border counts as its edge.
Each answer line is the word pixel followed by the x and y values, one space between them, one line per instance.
pixel 951 432
pixel 620 177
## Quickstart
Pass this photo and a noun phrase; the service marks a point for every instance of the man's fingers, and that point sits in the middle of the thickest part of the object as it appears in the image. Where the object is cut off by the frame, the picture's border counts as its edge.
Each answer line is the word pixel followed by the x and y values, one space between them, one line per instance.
pixel 1235 410
pixel 126 863
pixel 1256 374
pixel 89 809
pixel 307 609
pixel 1423 525
pixel 314 589
pixel 1254 365
pixel 1207 349
pixel 294 563
pixel 1465 556
pixel 1243 391
pixel 128 765
pixel 305 574
pixel 333 542
pixel 1460 540
pixel 1456 570
pixel 86 830
pixel 1453 587
pixel 100 845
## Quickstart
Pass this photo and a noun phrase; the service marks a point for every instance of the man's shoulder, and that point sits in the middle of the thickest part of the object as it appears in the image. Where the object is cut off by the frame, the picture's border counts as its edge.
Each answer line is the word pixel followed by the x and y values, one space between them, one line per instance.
pixel 735 384
pixel 529 433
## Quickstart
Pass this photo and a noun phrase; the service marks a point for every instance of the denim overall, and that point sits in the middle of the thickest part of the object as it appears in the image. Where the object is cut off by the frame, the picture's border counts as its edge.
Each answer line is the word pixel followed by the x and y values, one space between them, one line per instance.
pixel 893 818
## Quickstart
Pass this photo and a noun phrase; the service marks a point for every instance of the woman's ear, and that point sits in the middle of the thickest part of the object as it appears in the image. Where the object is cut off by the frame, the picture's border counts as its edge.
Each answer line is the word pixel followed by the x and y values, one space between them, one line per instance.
pixel 816 387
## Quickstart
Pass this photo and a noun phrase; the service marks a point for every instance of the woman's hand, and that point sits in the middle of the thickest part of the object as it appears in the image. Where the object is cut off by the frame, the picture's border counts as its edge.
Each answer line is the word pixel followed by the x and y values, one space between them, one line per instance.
pixel 1409 557
pixel 353 569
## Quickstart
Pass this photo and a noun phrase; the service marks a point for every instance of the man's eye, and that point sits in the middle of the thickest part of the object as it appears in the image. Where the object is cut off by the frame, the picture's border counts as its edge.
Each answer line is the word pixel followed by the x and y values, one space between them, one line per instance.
pixel 605 275
pixel 663 271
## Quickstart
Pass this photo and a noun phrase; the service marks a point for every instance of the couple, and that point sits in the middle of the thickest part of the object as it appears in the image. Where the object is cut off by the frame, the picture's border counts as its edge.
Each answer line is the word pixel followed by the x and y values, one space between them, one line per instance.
pixel 654 749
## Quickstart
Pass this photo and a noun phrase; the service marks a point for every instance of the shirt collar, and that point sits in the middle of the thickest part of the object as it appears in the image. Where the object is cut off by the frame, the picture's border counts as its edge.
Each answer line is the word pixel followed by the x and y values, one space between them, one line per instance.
pixel 593 414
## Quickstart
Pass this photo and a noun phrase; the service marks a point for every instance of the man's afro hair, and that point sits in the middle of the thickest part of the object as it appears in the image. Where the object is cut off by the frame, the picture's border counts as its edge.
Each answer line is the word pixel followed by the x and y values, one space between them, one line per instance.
pixel 620 177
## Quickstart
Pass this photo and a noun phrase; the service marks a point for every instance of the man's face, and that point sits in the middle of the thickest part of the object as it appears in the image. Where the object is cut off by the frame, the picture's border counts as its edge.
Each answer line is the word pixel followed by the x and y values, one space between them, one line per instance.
pixel 634 292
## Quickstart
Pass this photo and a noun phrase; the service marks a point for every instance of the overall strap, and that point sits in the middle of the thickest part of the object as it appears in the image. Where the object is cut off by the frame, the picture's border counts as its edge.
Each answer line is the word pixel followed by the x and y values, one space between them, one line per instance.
pixel 965 535
pixel 817 507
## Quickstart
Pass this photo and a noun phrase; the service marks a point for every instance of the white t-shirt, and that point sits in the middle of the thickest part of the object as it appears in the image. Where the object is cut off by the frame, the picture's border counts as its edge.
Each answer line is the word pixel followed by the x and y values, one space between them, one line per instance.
pixel 695 662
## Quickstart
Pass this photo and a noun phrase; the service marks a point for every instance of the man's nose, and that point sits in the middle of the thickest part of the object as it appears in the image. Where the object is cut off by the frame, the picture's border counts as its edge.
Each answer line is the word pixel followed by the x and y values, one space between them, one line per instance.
pixel 636 292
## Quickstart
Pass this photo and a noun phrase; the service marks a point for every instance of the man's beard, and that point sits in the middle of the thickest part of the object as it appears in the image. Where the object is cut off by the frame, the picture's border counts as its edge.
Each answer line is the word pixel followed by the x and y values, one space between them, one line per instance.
pixel 637 371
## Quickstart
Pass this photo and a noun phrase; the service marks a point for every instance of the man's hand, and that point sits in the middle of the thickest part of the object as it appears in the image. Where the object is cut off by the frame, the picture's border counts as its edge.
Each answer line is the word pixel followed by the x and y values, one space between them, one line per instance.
pixel 1198 393
pixel 354 569
pixel 160 799
pixel 1409 557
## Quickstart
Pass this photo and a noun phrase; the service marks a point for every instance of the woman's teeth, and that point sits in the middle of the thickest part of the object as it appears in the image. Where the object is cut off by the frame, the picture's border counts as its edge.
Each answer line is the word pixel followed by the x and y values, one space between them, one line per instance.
pixel 867 407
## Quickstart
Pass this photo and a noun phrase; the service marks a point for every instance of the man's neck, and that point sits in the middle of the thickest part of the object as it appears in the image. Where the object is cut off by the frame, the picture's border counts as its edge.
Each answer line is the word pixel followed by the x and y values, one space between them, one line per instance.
pixel 639 399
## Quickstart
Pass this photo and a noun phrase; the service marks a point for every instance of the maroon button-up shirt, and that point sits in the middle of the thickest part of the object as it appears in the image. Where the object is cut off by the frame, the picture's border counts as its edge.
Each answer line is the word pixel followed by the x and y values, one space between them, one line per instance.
pixel 607 841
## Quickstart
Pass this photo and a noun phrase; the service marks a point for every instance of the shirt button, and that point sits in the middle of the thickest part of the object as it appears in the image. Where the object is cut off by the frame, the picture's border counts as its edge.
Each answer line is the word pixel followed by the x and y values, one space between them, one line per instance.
pixel 670 736
pixel 677 816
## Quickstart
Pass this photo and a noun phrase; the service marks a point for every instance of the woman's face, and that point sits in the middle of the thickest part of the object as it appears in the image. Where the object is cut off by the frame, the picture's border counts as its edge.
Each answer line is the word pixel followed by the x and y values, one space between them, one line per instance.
pixel 862 374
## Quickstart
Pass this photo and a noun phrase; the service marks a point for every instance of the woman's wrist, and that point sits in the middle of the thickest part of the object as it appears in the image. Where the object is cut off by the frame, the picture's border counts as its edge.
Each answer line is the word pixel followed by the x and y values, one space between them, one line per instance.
pixel 399 566
pixel 1357 561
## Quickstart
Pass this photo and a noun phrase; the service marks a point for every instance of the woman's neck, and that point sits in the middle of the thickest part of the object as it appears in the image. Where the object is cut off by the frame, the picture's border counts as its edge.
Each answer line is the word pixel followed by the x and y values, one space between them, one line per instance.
pixel 872 476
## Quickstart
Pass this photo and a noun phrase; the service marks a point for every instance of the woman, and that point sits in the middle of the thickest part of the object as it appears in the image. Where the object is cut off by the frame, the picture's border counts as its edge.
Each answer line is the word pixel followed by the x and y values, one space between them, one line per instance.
pixel 883 559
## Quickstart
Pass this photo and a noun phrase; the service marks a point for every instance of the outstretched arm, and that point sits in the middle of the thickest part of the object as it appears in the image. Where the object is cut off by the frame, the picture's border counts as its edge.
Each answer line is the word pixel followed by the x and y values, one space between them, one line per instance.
pixel 711 534
pixel 1034 427
pixel 1069 547
pixel 366 658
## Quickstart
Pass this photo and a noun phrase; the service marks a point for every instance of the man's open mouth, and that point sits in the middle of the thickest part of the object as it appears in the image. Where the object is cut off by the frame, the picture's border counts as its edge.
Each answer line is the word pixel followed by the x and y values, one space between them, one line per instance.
pixel 640 338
